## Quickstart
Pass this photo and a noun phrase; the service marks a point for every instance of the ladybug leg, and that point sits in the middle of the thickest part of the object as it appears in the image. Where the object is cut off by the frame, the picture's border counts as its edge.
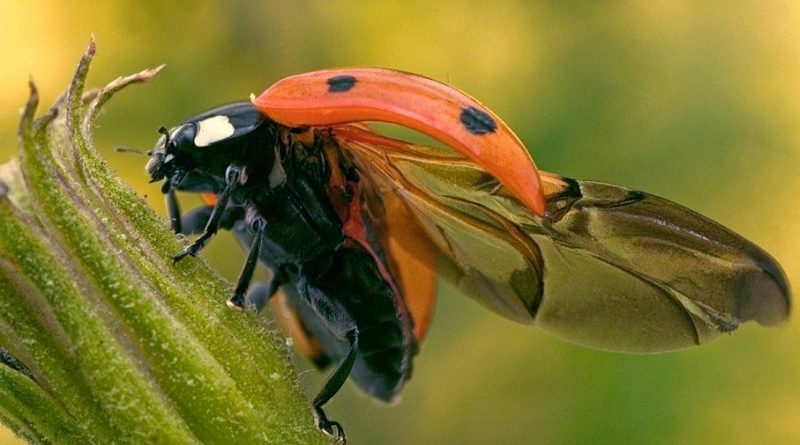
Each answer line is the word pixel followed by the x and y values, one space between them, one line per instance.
pixel 237 301
pixel 259 294
pixel 173 211
pixel 342 326
pixel 332 386
pixel 232 175
pixel 331 428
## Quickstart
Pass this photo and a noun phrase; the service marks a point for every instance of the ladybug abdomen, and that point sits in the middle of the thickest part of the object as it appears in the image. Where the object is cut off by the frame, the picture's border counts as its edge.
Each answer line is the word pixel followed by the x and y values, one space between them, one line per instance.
pixel 351 281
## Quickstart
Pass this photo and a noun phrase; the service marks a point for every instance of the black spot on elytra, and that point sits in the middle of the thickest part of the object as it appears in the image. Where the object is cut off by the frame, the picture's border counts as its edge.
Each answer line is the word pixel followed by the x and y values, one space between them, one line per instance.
pixel 477 121
pixel 339 84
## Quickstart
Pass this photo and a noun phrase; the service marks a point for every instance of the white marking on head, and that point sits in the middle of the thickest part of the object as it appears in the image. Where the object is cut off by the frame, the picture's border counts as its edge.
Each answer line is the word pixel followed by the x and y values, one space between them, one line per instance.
pixel 213 129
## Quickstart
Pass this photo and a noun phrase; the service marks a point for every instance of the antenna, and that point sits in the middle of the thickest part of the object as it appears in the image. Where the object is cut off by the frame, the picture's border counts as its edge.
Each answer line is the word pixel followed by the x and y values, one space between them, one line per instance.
pixel 127 149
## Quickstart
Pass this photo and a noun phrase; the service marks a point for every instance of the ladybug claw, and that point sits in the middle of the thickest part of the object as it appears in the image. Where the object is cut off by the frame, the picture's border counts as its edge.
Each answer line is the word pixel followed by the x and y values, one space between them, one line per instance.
pixel 330 428
pixel 194 249
pixel 236 302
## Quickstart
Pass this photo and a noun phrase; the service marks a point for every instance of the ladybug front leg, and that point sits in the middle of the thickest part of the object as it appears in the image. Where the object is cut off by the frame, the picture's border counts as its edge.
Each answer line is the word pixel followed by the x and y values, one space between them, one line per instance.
pixel 173 209
pixel 232 175
pixel 195 220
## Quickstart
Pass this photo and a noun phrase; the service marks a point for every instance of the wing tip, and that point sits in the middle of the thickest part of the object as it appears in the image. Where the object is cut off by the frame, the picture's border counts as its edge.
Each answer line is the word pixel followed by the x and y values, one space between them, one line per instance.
pixel 763 294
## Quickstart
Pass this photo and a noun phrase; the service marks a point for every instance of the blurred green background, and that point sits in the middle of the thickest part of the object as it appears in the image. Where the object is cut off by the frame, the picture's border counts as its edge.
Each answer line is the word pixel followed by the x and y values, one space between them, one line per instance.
pixel 698 102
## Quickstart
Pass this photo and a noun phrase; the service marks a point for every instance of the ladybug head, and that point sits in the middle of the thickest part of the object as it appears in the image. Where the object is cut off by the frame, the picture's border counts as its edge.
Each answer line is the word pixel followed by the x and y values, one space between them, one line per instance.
pixel 195 154
pixel 162 157
pixel 187 161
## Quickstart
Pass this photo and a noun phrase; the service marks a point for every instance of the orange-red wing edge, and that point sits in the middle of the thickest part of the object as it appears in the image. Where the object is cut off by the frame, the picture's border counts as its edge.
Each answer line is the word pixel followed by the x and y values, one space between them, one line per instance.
pixel 413 259
pixel 411 255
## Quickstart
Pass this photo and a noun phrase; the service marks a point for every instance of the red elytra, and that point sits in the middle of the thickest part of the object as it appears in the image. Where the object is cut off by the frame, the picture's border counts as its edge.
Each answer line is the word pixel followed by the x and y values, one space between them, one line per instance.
pixel 340 96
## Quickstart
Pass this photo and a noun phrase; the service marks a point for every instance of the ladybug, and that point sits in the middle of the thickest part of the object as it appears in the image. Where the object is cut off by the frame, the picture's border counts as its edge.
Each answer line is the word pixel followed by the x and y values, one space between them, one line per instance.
pixel 355 227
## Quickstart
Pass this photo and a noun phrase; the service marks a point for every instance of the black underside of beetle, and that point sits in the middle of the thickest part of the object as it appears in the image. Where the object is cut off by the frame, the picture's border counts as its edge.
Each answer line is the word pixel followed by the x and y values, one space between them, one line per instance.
pixel 272 187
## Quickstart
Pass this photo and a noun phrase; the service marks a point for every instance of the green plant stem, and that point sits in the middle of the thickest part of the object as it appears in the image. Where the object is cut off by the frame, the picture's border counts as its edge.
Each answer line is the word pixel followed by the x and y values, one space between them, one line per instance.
pixel 119 345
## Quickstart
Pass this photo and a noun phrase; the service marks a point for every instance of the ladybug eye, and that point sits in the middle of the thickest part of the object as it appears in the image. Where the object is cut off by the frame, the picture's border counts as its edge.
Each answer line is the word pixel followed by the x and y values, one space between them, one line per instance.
pixel 155 166
pixel 159 157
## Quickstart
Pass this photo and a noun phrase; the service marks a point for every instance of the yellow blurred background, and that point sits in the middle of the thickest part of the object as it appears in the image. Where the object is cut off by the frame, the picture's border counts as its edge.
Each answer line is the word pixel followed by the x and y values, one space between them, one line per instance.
pixel 698 102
